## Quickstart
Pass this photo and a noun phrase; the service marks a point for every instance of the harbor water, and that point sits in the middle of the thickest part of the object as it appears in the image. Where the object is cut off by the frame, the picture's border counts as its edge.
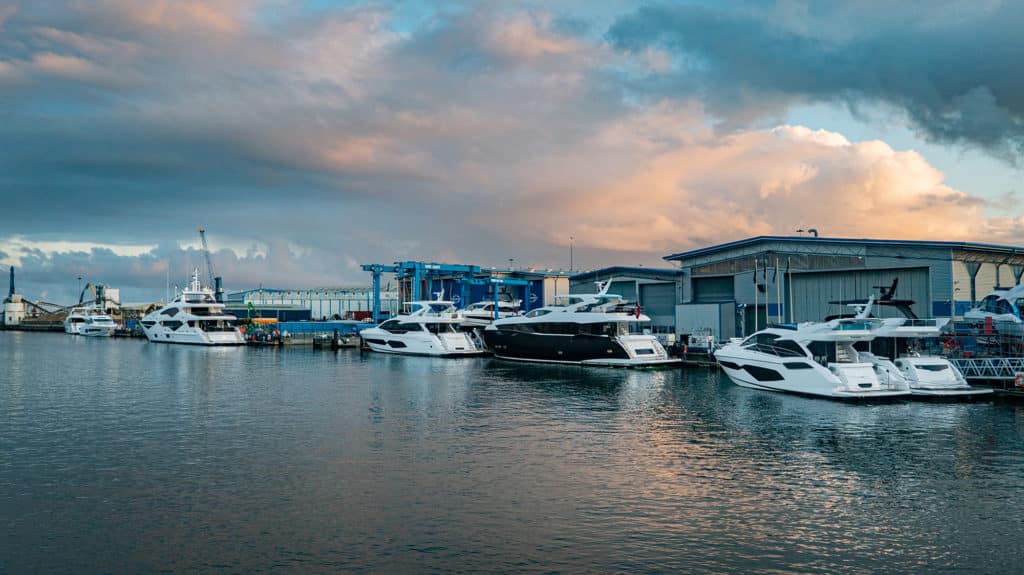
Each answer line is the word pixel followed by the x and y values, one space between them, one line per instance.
pixel 120 456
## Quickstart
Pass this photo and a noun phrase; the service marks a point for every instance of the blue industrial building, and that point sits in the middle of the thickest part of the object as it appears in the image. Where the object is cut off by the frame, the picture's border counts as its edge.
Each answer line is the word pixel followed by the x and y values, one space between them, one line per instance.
pixel 797 277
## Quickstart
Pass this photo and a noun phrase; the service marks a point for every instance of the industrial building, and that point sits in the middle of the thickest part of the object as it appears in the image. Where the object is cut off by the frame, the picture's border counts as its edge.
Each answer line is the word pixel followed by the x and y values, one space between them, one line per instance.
pixel 653 288
pixel 797 277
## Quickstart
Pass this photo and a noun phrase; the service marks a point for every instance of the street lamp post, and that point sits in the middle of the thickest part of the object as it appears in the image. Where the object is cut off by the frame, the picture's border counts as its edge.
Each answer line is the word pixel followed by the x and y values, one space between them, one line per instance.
pixel 79 287
pixel 571 239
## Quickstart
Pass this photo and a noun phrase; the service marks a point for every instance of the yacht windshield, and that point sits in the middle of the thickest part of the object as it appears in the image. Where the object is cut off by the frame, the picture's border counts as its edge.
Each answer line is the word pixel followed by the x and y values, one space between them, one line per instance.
pixel 437 328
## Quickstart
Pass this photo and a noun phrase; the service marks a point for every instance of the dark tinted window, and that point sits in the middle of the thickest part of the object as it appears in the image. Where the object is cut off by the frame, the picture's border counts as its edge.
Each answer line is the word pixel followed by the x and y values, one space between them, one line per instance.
pixel 170 311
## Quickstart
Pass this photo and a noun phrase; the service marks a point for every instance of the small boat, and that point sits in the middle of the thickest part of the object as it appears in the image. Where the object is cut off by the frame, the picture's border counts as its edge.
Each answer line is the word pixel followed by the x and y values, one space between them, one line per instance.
pixel 194 317
pixel 816 359
pixel 427 328
pixel 97 325
pixel 1003 305
pixel 584 329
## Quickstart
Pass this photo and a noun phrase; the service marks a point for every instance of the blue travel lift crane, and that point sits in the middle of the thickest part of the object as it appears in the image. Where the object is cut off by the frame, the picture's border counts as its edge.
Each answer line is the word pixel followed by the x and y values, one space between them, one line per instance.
pixel 419 271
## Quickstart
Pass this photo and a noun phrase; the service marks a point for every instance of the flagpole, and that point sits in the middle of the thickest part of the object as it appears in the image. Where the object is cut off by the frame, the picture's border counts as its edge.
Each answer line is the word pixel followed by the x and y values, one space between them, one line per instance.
pixel 755 295
pixel 790 285
pixel 778 292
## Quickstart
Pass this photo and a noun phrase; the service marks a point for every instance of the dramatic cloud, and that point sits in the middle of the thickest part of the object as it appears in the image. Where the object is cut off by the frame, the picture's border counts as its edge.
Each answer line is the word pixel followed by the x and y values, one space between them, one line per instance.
pixel 951 66
pixel 309 139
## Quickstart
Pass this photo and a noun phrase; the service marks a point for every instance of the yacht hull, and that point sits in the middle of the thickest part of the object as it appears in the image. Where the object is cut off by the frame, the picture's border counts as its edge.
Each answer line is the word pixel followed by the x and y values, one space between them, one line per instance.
pixel 195 337
pixel 800 377
pixel 567 349
pixel 920 393
pixel 94 331
pixel 455 345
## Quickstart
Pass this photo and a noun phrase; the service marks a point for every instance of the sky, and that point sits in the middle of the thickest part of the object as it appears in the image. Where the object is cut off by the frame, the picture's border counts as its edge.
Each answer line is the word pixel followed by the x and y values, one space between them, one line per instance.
pixel 309 137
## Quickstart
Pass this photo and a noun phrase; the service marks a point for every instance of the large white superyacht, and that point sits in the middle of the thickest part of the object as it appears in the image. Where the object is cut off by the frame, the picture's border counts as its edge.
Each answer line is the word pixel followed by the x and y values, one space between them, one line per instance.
pixel 194 317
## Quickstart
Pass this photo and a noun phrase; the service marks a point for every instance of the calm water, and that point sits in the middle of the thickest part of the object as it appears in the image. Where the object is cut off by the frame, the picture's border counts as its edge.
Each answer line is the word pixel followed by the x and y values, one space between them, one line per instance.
pixel 127 457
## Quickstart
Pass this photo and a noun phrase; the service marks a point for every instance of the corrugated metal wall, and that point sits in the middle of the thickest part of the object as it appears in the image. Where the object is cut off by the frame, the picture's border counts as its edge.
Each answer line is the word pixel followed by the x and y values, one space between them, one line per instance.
pixel 813 291
pixel 659 302
pixel 719 317
pixel 624 288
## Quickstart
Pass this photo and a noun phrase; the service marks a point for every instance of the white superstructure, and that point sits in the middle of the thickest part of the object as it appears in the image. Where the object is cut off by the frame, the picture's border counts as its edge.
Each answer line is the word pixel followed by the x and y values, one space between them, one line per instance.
pixel 1002 305
pixel 193 317
pixel 428 328
pixel 76 317
pixel 481 313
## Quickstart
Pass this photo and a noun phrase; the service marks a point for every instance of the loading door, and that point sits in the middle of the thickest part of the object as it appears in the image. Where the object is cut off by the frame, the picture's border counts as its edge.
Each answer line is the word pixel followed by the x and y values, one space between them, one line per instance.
pixel 813 291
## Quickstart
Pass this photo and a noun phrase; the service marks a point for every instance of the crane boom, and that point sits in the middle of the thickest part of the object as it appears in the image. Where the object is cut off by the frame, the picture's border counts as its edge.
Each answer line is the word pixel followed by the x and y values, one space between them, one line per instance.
pixel 206 254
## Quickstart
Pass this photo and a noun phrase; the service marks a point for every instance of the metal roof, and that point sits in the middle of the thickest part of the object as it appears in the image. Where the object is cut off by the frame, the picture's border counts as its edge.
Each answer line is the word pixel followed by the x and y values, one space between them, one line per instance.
pixel 669 274
pixel 862 241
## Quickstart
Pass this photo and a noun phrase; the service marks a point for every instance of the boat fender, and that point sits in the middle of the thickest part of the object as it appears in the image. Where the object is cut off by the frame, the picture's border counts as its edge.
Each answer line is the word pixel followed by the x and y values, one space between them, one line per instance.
pixel 1018 381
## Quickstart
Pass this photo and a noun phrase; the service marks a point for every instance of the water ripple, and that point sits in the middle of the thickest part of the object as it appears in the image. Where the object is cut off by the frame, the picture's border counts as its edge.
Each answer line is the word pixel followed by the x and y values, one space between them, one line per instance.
pixel 126 457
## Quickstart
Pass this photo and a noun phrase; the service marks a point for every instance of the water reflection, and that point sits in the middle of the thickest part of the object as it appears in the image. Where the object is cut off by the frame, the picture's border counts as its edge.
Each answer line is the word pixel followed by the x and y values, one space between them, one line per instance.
pixel 125 456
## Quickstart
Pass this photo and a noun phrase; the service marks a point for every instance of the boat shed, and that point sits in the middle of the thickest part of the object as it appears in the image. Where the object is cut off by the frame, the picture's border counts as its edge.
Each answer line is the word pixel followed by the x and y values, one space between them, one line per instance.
pixel 653 288
pixel 797 276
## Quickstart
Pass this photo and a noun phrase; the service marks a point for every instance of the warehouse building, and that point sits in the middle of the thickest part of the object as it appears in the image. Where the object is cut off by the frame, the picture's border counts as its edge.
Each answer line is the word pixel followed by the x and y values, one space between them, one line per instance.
pixel 797 277
pixel 654 289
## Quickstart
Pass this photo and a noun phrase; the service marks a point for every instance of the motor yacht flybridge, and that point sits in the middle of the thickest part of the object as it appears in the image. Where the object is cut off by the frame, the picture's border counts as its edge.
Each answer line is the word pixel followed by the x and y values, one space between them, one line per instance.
pixel 816 359
pixel 585 329
pixel 429 327
pixel 193 317
pixel 898 356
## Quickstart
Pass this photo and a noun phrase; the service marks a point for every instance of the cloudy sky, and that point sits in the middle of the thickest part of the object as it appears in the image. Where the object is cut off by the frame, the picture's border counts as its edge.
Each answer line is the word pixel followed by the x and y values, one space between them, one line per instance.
pixel 311 136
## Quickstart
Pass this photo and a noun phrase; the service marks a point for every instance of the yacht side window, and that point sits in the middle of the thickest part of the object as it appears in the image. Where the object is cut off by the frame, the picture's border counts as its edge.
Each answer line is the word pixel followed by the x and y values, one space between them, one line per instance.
pixel 989 303
pixel 390 325
pixel 170 311
pixel 1003 306
pixel 538 312
pixel 408 327
pixel 760 339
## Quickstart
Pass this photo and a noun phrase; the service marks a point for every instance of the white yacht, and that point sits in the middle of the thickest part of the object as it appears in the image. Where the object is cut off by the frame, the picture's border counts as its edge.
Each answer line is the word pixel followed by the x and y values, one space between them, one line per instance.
pixel 481 313
pixel 585 329
pixel 1002 305
pixel 76 317
pixel 816 359
pixel 896 354
pixel 193 317
pixel 97 324
pixel 428 328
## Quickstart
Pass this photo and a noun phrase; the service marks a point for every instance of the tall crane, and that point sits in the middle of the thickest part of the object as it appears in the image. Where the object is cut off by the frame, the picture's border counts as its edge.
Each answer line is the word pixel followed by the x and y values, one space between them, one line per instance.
pixel 206 254
pixel 217 288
